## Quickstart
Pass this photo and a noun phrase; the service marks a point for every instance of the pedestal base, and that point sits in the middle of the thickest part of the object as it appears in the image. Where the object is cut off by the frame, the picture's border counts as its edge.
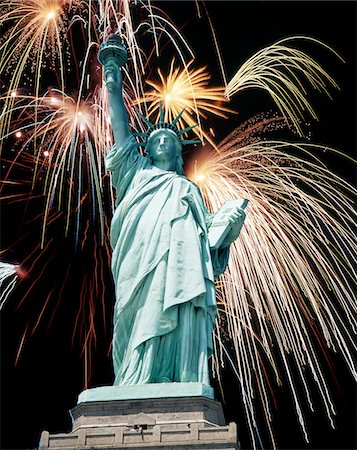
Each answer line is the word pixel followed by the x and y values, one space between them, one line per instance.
pixel 181 422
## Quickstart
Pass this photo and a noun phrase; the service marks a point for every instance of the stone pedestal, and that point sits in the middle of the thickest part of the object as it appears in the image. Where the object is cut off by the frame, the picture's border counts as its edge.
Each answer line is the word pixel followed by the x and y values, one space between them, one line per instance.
pixel 176 421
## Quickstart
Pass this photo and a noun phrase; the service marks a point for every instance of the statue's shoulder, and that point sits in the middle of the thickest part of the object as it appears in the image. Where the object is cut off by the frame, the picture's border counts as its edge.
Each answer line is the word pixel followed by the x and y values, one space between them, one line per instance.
pixel 193 185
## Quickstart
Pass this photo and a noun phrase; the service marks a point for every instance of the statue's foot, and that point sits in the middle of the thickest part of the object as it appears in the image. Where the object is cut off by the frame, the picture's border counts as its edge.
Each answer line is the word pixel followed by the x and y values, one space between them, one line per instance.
pixel 163 380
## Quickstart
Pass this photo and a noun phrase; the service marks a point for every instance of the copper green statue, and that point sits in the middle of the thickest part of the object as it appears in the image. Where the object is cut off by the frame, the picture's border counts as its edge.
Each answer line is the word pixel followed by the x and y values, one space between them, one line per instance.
pixel 163 265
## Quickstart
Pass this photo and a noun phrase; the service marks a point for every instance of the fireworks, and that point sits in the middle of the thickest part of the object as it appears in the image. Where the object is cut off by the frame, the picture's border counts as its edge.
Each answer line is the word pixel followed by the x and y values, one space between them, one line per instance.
pixel 290 276
pixel 8 274
pixel 276 69
pixel 37 25
pixel 271 292
pixel 187 90
pixel 70 134
pixel 35 30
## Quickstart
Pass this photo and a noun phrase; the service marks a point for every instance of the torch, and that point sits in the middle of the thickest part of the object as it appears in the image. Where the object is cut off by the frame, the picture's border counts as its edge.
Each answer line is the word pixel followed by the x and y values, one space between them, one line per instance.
pixel 114 48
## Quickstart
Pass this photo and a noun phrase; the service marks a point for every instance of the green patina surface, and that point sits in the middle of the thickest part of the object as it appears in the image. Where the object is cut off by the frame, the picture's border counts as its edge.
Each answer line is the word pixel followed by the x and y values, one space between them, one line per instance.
pixel 163 266
pixel 152 390
pixel 164 273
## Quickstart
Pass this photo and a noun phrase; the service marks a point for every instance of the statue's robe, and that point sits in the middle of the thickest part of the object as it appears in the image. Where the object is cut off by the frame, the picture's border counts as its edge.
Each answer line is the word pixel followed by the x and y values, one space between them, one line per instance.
pixel 163 271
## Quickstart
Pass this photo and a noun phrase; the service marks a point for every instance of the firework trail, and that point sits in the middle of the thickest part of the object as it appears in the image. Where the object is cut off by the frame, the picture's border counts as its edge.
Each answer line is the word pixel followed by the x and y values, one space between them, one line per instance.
pixel 279 70
pixel 9 275
pixel 291 274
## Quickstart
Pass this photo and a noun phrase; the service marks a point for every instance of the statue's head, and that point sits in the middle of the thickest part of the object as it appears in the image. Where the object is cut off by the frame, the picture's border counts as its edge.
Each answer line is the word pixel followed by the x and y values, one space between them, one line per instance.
pixel 164 141
pixel 165 145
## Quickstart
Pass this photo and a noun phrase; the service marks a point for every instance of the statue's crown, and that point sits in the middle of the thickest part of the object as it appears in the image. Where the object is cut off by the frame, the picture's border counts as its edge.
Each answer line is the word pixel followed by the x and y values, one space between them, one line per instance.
pixel 162 125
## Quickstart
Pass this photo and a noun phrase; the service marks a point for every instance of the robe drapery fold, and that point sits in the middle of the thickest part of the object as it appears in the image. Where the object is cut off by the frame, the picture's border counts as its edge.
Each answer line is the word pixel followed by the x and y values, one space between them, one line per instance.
pixel 163 271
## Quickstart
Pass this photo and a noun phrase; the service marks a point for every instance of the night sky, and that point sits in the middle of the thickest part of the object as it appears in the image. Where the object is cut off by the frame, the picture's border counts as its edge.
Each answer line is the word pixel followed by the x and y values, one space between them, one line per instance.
pixel 38 391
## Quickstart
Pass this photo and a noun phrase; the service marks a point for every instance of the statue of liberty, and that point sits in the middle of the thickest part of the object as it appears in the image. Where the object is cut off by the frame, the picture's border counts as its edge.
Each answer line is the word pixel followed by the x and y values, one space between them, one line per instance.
pixel 163 265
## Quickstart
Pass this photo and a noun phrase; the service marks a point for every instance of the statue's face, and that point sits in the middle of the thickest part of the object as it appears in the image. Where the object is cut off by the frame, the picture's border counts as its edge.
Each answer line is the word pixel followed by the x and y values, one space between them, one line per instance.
pixel 163 147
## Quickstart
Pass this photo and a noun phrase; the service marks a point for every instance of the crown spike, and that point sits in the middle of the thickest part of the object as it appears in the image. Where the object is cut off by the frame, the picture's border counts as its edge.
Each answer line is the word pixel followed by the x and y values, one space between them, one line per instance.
pixel 163 126
pixel 190 141
pixel 162 119
pixel 174 122
pixel 186 130
pixel 144 119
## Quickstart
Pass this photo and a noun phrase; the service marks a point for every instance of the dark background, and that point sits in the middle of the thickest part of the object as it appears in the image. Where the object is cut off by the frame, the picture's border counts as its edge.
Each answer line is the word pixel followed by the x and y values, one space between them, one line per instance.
pixel 38 391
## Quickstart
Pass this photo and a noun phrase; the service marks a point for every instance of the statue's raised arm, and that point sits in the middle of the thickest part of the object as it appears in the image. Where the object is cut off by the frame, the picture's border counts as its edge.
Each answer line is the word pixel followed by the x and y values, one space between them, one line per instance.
pixel 113 55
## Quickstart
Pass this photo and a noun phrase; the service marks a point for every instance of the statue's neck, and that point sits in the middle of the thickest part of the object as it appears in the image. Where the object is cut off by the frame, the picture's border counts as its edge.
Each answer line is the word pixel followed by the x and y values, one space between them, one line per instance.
pixel 165 165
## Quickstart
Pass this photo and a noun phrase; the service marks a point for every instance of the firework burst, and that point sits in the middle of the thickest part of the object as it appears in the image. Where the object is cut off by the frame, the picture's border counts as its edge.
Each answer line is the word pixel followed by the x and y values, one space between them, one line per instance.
pixel 279 69
pixel 291 273
pixel 34 34
pixel 186 89
pixel 35 31
pixel 72 137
